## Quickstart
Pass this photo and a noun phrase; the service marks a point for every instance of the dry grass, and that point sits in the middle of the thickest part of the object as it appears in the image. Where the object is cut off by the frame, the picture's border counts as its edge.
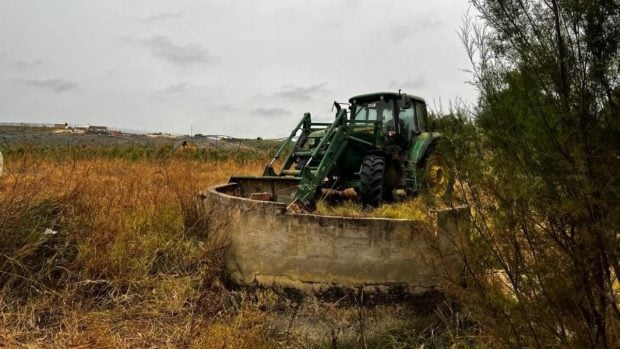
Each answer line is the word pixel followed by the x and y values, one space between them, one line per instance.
pixel 109 253
pixel 113 254
pixel 415 208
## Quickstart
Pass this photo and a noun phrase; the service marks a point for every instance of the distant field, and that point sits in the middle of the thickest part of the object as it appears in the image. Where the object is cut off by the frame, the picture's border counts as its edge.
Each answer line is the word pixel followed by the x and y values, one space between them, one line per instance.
pixel 46 142
pixel 17 135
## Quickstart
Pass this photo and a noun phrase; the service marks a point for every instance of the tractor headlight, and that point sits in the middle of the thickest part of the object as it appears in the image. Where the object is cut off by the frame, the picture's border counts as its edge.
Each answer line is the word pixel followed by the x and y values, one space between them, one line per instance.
pixel 312 142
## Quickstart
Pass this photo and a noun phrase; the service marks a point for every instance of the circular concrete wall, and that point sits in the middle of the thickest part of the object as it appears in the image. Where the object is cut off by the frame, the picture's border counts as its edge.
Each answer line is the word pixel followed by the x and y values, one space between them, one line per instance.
pixel 269 246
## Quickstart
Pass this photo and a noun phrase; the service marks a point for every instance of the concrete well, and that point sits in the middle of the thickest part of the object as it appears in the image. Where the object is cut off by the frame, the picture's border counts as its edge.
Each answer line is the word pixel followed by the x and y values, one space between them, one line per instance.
pixel 271 247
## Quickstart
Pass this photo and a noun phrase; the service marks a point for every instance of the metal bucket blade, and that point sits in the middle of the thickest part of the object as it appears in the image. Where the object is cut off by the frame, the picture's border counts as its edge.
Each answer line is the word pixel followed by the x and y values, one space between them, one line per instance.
pixel 267 188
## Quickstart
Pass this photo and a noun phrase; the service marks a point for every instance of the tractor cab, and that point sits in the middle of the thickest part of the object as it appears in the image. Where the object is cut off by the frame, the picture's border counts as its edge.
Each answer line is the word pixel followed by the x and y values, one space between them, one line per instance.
pixel 402 116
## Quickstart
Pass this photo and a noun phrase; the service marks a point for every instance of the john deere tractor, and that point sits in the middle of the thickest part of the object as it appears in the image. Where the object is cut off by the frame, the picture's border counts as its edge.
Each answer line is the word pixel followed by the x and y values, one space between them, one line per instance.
pixel 379 144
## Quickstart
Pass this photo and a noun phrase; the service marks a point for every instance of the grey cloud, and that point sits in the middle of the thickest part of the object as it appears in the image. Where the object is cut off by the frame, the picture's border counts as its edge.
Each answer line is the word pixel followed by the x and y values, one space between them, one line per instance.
pixel 20 64
pixel 55 85
pixel 402 32
pixel 298 93
pixel 332 25
pixel 157 17
pixel 408 85
pixel 272 112
pixel 27 65
pixel 353 4
pixel 224 108
pixel 182 55
pixel 175 89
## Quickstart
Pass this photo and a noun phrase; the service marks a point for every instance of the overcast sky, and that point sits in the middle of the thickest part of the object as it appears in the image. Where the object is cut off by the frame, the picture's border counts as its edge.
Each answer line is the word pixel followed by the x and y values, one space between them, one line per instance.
pixel 242 68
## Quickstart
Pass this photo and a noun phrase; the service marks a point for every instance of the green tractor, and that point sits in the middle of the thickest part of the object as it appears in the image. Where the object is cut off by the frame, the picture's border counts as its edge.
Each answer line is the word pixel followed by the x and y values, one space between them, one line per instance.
pixel 381 144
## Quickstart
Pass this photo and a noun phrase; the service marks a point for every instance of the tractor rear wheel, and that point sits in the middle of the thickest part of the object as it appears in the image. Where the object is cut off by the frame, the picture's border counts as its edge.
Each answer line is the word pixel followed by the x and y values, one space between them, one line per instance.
pixel 371 180
pixel 436 177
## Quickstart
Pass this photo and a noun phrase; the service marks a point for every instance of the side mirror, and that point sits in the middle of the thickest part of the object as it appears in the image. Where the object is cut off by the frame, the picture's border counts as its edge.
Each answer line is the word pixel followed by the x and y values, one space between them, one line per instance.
pixel 404 103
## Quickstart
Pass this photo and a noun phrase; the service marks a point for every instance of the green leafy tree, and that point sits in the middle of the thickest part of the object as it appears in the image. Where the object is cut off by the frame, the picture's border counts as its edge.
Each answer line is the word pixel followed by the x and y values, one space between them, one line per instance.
pixel 538 161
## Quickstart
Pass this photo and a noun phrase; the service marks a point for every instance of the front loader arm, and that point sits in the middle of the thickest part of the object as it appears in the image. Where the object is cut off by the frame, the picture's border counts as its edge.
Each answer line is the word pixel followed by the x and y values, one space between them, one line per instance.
pixel 329 151
pixel 304 125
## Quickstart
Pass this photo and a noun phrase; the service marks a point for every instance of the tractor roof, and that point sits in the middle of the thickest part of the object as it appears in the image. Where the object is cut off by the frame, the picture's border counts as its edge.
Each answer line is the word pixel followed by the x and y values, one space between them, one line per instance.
pixel 387 95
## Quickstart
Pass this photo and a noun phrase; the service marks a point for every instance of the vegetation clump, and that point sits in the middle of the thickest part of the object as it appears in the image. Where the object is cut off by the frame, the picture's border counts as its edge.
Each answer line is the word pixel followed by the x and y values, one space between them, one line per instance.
pixel 538 160
pixel 96 250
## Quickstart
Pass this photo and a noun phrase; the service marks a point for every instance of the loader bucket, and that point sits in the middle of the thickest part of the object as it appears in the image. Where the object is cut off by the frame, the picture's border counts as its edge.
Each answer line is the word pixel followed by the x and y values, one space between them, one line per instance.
pixel 266 188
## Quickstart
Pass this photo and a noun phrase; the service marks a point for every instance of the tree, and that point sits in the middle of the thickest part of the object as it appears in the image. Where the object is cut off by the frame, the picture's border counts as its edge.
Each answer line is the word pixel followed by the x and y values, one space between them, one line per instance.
pixel 539 163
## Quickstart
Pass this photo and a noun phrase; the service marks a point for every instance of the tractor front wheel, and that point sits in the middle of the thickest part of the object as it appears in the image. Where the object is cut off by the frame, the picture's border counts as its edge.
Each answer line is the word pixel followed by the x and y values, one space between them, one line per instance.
pixel 371 180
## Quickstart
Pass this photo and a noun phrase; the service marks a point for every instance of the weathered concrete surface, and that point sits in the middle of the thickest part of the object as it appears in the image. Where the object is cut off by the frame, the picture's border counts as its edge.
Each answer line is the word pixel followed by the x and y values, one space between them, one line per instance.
pixel 313 253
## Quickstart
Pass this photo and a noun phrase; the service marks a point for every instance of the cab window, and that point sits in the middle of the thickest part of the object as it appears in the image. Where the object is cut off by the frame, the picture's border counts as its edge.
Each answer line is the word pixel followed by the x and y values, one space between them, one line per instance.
pixel 407 115
pixel 422 118
pixel 372 111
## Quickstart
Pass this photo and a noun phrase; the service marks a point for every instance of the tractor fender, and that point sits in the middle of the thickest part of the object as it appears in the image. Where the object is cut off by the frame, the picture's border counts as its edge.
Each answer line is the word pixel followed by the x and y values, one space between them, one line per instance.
pixel 422 146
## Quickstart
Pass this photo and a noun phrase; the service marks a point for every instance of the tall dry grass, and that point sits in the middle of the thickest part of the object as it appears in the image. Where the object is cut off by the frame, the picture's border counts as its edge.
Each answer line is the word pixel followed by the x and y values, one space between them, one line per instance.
pixel 113 253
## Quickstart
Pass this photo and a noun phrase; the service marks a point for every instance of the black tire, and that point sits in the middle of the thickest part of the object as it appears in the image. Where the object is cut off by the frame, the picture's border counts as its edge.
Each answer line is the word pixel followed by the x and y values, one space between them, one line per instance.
pixel 437 179
pixel 371 180
pixel 388 194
